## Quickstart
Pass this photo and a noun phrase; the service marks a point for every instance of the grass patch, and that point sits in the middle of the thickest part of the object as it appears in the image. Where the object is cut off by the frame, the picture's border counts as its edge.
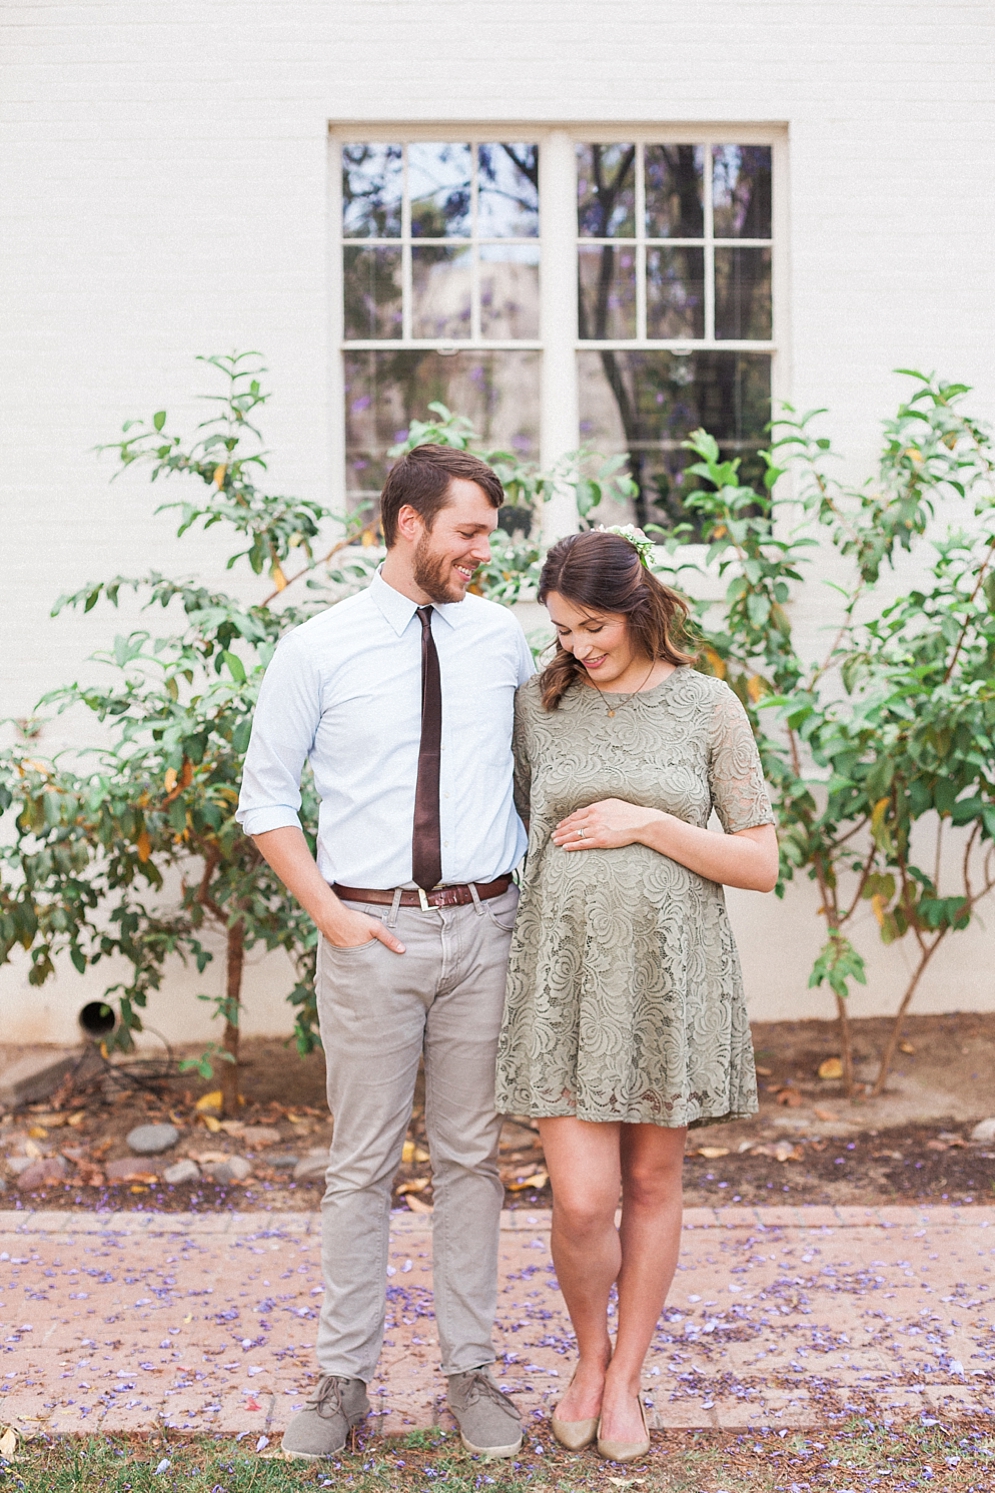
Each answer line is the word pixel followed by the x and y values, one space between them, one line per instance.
pixel 857 1455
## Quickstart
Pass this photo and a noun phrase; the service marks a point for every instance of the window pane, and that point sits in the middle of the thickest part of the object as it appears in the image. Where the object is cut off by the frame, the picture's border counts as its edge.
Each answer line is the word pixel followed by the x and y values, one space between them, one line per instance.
pixel 509 290
pixel 439 185
pixel 742 293
pixel 385 391
pixel 741 200
pixel 647 403
pixel 675 292
pixel 441 288
pixel 371 191
pixel 372 292
pixel 607 291
pixel 508 191
pixel 606 191
pixel 675 187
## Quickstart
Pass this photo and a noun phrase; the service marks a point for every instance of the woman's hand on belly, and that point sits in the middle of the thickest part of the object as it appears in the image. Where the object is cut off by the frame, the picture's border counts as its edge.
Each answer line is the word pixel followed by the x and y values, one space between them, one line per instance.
pixel 607 825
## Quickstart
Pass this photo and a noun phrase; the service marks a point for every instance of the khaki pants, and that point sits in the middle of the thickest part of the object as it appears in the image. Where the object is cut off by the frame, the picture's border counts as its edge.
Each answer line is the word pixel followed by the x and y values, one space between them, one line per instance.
pixel 379 1012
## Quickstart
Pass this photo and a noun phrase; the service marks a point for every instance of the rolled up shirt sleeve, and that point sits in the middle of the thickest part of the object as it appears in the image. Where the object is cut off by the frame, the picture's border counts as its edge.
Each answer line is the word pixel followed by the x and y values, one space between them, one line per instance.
pixel 283 730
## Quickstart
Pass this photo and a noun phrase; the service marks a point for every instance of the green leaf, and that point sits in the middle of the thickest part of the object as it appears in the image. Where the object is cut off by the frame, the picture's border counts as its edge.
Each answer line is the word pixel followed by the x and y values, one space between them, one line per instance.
pixel 159 419
pixel 235 666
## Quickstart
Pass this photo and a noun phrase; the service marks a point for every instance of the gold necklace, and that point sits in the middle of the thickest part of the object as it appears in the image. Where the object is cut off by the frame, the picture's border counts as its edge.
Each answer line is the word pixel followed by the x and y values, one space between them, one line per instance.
pixel 611 710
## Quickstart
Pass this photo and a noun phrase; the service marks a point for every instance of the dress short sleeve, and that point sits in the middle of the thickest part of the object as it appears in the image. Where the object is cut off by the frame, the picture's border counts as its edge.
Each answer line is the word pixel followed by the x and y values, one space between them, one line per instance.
pixel 520 750
pixel 735 776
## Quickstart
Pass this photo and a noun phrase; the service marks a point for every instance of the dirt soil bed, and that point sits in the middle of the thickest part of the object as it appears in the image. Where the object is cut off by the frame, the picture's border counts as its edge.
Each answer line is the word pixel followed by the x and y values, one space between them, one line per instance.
pixel 809 1144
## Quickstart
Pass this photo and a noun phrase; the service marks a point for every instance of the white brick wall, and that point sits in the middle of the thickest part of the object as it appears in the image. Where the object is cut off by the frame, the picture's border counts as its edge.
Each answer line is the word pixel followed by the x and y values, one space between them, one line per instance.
pixel 163 180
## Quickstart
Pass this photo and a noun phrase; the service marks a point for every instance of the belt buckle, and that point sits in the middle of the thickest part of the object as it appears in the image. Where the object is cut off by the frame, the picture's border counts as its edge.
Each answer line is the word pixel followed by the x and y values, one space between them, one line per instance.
pixel 423 900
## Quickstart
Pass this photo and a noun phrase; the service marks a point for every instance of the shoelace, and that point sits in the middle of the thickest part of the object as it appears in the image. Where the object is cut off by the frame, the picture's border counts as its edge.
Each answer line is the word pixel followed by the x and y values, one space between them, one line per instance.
pixel 482 1386
pixel 329 1389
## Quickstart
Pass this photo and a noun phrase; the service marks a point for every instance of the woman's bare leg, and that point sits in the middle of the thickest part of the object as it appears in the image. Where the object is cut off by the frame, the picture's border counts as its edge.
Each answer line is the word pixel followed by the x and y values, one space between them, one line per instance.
pixel 652 1163
pixel 584 1165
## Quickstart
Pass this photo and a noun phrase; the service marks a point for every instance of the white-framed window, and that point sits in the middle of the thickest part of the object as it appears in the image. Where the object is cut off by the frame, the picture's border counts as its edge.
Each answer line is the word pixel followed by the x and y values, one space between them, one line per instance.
pixel 602 286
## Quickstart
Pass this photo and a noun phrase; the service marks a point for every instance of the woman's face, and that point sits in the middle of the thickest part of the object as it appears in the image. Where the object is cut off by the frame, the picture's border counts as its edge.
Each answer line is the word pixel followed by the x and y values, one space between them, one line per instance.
pixel 601 641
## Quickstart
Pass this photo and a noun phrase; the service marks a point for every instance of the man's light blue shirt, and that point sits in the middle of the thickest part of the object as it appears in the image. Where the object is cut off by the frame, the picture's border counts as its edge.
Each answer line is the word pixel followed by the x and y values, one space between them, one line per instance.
pixel 343 691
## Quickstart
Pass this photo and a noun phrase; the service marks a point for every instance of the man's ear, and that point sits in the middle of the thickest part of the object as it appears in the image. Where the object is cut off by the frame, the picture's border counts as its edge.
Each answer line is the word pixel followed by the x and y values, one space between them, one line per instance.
pixel 410 524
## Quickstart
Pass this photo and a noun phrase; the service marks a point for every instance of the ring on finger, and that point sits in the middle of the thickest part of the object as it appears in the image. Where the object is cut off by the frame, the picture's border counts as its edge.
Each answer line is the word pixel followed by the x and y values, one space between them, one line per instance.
pixel 582 834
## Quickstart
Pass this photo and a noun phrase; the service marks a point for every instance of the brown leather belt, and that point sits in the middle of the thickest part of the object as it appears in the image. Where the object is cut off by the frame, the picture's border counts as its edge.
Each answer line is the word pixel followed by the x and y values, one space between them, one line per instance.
pixel 443 896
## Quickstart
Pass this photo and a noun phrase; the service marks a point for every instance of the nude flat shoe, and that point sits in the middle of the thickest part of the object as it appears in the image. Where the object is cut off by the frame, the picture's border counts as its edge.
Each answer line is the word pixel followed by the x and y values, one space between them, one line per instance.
pixel 626 1451
pixel 574 1434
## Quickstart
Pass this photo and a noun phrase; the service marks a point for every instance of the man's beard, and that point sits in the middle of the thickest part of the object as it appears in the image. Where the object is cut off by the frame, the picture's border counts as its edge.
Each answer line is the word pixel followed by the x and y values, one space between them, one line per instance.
pixel 433 575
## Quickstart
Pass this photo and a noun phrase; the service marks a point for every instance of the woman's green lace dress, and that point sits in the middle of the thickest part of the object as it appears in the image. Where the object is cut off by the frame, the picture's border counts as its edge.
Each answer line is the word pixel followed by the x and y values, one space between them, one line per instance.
pixel 625 997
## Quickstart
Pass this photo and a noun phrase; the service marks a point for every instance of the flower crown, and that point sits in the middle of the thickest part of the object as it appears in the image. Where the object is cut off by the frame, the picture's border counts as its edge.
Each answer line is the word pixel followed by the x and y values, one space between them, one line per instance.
pixel 640 542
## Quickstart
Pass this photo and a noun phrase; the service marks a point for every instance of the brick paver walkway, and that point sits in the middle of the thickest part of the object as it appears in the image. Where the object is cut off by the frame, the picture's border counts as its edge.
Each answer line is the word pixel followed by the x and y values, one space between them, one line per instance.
pixel 779 1316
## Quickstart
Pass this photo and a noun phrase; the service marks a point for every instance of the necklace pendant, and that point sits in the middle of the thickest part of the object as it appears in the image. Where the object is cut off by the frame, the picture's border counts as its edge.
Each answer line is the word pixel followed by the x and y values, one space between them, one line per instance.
pixel 611 712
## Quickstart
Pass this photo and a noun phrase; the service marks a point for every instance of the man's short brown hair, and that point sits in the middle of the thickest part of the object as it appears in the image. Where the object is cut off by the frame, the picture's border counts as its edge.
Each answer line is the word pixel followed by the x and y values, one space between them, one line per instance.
pixel 421 478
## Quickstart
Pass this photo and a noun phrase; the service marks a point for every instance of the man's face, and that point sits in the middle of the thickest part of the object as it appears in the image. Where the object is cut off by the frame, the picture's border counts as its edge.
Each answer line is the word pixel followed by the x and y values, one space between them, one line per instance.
pixel 447 554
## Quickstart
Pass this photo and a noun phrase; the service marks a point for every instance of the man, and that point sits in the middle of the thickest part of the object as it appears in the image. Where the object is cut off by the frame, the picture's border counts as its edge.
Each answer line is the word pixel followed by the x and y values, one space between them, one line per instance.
pixel 402 699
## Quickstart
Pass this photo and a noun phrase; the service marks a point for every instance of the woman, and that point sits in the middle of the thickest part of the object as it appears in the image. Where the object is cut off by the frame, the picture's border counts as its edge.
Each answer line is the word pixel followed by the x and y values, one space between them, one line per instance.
pixel 625 1021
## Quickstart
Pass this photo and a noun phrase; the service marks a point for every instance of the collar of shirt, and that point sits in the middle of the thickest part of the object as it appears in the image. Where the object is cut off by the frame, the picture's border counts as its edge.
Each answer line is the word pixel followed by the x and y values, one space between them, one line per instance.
pixel 398 609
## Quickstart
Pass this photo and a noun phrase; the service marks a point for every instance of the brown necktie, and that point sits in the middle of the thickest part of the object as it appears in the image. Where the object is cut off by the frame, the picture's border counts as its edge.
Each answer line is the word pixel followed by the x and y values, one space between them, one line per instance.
pixel 426 844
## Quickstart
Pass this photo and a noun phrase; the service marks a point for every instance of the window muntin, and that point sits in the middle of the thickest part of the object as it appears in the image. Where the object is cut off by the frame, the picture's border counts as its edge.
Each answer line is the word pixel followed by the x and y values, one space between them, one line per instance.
pixel 674 269
pixel 674 263
pixel 440 271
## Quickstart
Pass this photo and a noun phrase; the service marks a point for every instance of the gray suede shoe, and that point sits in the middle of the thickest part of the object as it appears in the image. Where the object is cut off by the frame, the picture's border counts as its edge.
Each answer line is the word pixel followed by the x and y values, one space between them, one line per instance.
pixel 322 1427
pixel 489 1423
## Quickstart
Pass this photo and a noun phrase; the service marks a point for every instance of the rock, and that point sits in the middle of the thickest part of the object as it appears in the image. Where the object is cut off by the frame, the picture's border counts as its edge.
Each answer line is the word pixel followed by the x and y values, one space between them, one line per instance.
pixel 130 1169
pixel 283 1163
pixel 984 1132
pixel 182 1171
pixel 36 1076
pixel 19 1164
pixel 44 1173
pixel 312 1168
pixel 259 1136
pixel 233 1169
pixel 149 1140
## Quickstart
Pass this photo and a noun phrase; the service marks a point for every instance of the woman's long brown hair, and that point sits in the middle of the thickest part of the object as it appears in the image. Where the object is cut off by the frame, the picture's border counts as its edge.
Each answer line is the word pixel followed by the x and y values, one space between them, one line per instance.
pixel 603 573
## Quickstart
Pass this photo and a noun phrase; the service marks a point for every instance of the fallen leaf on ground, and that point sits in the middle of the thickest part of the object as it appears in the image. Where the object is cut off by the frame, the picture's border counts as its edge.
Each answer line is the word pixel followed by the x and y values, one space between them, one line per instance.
pixel 712 1153
pixel 789 1096
pixel 77 1118
pixel 8 1443
pixel 212 1101
pixel 417 1205
pixel 906 1047
pixel 537 1179
pixel 38 1132
pixel 824 1114
pixel 831 1068
pixel 407 1150
pixel 765 1072
pixel 417 1184
pixel 421 1154
pixel 212 1124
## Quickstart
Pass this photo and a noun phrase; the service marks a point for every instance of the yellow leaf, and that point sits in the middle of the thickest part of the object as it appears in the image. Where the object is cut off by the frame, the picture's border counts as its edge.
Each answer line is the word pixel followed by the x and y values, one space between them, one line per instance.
pixel 878 905
pixel 537 1180
pixel 77 1118
pixel 170 779
pixel 143 845
pixel 715 663
pixel 215 1100
pixel 368 539
pixel 407 1151
pixel 712 1153
pixel 417 1184
pixel 421 1155
pixel 831 1068
pixel 8 1443
pixel 877 817
pixel 212 1124
pixel 219 475
pixel 279 579
pixel 189 1317
pixel 754 687
pixel 417 1205
pixel 906 1047
pixel 38 1132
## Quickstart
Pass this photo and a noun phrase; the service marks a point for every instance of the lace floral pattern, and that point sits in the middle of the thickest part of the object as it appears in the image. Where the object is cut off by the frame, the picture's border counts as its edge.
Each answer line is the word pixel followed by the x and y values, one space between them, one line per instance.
pixel 625 998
